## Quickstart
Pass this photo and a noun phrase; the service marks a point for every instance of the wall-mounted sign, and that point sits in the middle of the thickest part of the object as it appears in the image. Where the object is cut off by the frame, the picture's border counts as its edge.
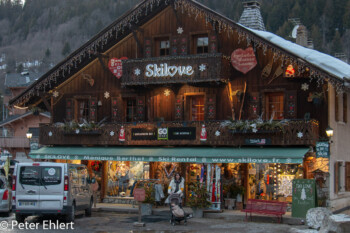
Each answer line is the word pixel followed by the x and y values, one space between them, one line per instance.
pixel 243 60
pixel 182 133
pixel 322 150
pixel 163 70
pixel 163 133
pixel 116 67
pixel 143 134
pixel 257 141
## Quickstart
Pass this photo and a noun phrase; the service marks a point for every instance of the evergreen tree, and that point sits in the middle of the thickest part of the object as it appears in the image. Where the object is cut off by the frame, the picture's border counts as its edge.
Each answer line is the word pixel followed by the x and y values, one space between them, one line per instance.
pixel 65 49
pixel 47 53
pixel 336 43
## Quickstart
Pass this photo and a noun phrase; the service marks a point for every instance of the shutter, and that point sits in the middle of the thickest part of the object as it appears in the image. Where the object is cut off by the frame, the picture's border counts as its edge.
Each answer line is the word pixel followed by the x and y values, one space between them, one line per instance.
pixel 211 107
pixel 148 48
pixel 117 109
pixel 174 44
pixel 345 107
pixel 179 101
pixel 290 108
pixel 347 176
pixel 336 177
pixel 93 109
pixel 140 102
pixel 213 43
pixel 69 109
pixel 183 45
pixel 336 107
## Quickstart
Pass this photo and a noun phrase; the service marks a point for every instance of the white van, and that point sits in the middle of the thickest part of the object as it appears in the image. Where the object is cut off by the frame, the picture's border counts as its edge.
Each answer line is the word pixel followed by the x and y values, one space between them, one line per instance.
pixel 44 188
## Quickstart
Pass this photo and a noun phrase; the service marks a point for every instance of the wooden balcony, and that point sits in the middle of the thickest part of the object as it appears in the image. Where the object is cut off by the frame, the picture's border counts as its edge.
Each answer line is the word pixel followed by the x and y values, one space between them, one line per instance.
pixel 14 142
pixel 295 133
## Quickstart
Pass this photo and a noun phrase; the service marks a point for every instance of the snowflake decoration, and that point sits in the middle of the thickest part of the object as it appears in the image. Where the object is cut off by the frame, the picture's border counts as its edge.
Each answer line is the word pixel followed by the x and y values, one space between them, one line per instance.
pixel 305 87
pixel 300 135
pixel 204 160
pixel 254 130
pixel 150 158
pixel 167 92
pixel 253 125
pixel 77 131
pixel 288 160
pixel 106 94
pixel 217 133
pixel 55 94
pixel 137 71
pixel 76 157
pixel 202 67
pixel 180 30
pixel 50 134
pixel 111 133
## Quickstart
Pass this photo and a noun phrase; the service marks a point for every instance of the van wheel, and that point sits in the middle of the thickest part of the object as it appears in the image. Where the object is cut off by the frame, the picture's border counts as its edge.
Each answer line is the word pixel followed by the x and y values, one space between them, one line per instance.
pixel 71 216
pixel 88 210
pixel 20 218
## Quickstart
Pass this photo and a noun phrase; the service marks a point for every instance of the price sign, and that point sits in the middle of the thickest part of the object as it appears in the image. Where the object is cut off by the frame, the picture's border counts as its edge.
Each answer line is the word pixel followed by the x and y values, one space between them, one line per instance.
pixel 139 194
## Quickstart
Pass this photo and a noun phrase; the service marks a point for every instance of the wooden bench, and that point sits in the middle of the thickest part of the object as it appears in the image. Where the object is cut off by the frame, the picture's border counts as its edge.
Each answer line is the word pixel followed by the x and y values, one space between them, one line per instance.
pixel 265 207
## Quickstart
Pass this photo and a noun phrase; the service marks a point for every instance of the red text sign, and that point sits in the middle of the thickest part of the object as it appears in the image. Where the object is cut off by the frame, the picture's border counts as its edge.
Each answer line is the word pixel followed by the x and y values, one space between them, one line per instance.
pixel 139 194
pixel 116 66
pixel 243 60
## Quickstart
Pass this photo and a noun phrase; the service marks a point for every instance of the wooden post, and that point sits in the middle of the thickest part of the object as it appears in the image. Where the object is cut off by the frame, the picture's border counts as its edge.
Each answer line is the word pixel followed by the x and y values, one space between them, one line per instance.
pixel 241 110
pixel 104 179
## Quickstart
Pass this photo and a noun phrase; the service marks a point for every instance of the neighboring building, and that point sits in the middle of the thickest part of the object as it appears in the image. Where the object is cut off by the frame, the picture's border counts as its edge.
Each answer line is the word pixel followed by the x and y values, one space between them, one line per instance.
pixel 251 16
pixel 18 121
pixel 184 71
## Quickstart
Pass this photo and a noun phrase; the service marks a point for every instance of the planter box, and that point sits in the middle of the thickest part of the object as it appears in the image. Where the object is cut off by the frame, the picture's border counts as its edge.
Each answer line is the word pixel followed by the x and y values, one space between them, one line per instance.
pixel 84 132
pixel 197 212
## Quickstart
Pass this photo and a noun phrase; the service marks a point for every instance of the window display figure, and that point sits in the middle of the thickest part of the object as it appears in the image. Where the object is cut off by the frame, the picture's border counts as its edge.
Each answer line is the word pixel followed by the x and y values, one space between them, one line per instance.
pixel 122 175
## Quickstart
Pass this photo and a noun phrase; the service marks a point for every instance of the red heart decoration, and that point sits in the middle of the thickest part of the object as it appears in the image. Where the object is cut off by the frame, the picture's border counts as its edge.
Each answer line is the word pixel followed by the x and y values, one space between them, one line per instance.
pixel 243 60
pixel 115 65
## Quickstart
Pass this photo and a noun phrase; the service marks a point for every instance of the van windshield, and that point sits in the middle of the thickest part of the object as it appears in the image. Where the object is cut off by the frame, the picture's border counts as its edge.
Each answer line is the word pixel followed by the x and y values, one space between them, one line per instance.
pixel 31 175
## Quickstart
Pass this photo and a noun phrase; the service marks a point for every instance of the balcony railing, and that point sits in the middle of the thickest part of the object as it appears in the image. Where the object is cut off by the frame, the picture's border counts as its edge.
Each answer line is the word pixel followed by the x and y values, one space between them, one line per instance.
pixel 14 142
pixel 180 134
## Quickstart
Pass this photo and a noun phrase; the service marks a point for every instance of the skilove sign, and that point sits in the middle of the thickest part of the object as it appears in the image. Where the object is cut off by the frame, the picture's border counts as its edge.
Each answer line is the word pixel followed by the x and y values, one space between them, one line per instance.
pixel 163 70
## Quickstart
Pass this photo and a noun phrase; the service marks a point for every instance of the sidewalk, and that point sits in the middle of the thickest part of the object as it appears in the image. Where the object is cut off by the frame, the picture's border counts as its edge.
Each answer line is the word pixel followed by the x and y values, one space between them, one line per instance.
pixel 227 215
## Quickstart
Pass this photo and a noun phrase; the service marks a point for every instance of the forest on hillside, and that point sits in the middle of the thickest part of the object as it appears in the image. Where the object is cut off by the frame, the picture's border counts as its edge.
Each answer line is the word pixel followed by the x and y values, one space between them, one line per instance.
pixel 48 30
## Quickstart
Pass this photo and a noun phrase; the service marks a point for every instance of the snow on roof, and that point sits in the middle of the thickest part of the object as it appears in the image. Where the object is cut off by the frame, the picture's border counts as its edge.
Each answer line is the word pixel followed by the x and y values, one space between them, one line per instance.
pixel 324 62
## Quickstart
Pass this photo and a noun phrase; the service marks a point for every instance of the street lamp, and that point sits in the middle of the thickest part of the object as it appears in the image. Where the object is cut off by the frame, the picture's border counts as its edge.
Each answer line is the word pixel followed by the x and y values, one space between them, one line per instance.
pixel 329 132
pixel 29 135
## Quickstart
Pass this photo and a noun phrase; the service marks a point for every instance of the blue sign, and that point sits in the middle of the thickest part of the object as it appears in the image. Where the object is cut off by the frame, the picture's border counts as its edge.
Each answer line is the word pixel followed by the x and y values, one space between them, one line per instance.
pixel 322 150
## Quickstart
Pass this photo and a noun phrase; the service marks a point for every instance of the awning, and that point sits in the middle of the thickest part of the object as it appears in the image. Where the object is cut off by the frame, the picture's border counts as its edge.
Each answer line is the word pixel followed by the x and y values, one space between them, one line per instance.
pixel 174 154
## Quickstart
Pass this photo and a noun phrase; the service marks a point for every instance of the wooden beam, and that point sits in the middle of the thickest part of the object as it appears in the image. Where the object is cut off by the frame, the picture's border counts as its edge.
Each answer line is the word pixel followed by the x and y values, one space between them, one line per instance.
pixel 47 105
pixel 99 57
pixel 178 22
pixel 139 45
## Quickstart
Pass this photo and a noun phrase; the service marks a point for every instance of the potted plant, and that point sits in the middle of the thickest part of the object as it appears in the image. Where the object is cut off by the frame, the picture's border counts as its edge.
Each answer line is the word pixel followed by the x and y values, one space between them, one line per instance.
pixel 147 204
pixel 198 199
pixel 238 192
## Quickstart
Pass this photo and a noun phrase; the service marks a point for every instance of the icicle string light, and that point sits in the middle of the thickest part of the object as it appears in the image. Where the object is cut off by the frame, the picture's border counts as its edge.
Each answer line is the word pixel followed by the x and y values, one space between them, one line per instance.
pixel 193 9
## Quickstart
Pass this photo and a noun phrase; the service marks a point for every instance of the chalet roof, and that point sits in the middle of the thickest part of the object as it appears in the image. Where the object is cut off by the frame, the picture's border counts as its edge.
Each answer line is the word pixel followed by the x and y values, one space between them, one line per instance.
pixel 144 11
pixel 21 80
pixel 13 118
pixel 251 16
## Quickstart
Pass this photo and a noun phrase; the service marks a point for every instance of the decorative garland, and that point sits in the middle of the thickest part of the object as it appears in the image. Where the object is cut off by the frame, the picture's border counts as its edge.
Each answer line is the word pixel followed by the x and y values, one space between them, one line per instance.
pixel 223 24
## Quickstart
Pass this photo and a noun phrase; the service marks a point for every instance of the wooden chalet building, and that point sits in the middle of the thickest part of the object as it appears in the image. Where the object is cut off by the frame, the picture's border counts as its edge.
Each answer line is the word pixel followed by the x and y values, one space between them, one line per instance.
pixel 174 86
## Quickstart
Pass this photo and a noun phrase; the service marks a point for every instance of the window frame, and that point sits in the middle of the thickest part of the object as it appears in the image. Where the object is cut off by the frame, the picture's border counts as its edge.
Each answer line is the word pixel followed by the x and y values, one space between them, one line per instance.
pixel 134 109
pixel 77 108
pixel 268 95
pixel 188 106
pixel 194 43
pixel 158 46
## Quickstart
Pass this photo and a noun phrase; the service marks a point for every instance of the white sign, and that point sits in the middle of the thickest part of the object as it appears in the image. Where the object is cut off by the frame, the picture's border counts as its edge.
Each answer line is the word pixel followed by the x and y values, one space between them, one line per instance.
pixel 163 70
pixel 51 171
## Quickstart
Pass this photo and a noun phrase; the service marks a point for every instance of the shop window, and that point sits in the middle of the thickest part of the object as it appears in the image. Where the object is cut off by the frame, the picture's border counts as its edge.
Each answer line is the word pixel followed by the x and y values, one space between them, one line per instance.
pixel 82 110
pixel 130 109
pixel 162 47
pixel 195 107
pixel 202 44
pixel 123 177
pixel 275 106
pixel 345 107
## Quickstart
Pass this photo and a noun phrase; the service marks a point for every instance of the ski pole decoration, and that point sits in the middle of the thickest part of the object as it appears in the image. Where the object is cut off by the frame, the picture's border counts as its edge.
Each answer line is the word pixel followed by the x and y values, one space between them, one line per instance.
pixel 203 136
pixel 122 134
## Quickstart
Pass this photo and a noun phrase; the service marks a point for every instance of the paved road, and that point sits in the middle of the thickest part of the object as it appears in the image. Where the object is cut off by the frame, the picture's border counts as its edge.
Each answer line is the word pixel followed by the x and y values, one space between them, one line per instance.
pixel 103 222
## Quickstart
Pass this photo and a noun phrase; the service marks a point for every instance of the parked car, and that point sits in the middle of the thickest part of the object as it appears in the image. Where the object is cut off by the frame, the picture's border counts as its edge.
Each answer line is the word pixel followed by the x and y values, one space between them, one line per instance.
pixel 6 196
pixel 44 188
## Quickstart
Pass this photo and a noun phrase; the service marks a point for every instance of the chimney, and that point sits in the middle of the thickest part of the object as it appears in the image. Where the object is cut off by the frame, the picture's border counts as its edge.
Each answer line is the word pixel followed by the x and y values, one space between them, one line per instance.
pixel 302 36
pixel 251 16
